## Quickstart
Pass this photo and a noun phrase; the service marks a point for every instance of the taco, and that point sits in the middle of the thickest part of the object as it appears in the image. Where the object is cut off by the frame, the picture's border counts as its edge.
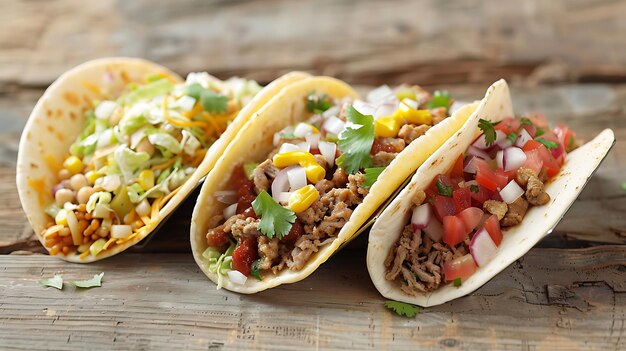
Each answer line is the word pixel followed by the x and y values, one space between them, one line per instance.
pixel 307 173
pixel 115 145
pixel 479 203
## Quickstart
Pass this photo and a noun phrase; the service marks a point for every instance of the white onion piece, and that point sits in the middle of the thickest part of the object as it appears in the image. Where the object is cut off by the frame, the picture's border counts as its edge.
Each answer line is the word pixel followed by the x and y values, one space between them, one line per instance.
pixel 143 209
pixel 276 139
pixel 72 222
pixel 504 143
pixel 304 146
pixel 101 211
pixel 482 248
pixel 422 215
pixel 283 197
pixel 523 138
pixel 364 107
pixel 334 125
pixel 186 103
pixel 280 183
pixel 226 196
pixel 105 109
pixel 333 111
pixel 237 277
pixel 383 92
pixel 288 147
pixel 328 150
pixel 434 230
pixel 230 211
pixel 297 178
pixel 313 139
pixel 481 141
pixel 302 130
pixel 474 151
pixel 315 119
pixel 386 109
pixel 511 192
pixel 110 182
pixel 410 103
pixel 500 159
pixel 513 158
pixel 104 139
pixel 470 166
pixel 121 231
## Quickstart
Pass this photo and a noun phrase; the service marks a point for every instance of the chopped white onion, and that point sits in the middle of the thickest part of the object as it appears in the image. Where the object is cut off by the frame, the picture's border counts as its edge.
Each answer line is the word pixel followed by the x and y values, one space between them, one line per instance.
pixel 482 247
pixel 474 151
pixel 288 147
pixel 105 109
pixel 523 138
pixel 328 150
pixel 302 130
pixel 276 139
pixel 511 192
pixel 304 146
pixel 470 166
pixel 333 111
pixel 237 277
pixel 434 229
pixel 280 183
pixel 316 118
pixel 422 215
pixel 226 196
pixel 386 109
pixel 186 103
pixel 137 137
pixel 512 159
pixel 110 182
pixel 230 211
pixel 364 107
pixel 143 208
pixel 283 197
pixel 101 211
pixel 72 222
pixel 104 139
pixel 297 178
pixel 334 125
pixel 121 231
pixel 500 159
pixel 481 141
pixel 313 139
pixel 381 93
pixel 410 103
pixel 504 143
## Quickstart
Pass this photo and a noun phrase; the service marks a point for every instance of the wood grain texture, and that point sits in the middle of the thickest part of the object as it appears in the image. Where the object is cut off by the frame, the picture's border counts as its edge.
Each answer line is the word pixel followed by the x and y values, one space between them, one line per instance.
pixel 164 300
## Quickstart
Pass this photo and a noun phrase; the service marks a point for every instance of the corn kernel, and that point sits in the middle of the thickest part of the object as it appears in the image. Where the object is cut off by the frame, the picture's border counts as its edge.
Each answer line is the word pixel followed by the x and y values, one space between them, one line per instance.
pixel 303 198
pixel 413 116
pixel 314 172
pixel 92 176
pixel 387 127
pixel 61 217
pixel 146 179
pixel 73 164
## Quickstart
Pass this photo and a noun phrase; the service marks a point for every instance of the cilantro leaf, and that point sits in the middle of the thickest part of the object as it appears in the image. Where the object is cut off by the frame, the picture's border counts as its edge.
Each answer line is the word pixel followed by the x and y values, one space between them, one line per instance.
pixel 210 101
pixel 317 103
pixel 474 188
pixel 443 189
pixel 371 175
pixel 457 282
pixel 255 269
pixel 439 99
pixel 548 143
pixel 540 132
pixel 512 137
pixel 525 121
pixel 356 143
pixel 276 220
pixel 489 130
pixel 54 282
pixel 90 283
pixel 403 309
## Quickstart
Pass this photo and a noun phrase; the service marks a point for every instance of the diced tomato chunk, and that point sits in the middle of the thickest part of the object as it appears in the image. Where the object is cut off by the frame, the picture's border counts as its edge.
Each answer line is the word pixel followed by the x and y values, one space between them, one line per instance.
pixel 471 217
pixel 462 198
pixel 508 175
pixel 217 238
pixel 461 267
pixel 508 125
pixel 531 129
pixel 245 253
pixel 492 225
pixel 488 178
pixel 457 169
pixel 444 206
pixel 531 145
pixel 454 230
pixel 293 235
pixel 533 161
pixel 482 195
pixel 566 136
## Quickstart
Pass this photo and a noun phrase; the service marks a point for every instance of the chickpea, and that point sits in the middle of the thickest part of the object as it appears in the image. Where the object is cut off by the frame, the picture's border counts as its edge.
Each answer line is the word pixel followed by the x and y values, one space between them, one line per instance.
pixel 64 174
pixel 63 195
pixel 78 181
pixel 83 194
pixel 145 146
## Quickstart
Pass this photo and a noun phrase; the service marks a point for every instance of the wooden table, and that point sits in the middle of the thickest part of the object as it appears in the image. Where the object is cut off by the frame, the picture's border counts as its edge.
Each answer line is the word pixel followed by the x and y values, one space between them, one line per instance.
pixel 568 293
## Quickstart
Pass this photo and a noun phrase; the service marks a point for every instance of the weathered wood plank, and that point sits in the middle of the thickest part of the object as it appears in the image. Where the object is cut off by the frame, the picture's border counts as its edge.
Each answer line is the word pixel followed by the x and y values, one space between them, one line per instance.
pixel 155 301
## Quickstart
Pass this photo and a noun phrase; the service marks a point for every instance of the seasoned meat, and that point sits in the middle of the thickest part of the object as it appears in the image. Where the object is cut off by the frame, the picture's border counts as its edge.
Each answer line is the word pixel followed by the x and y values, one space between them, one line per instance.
pixel 355 184
pixel 321 160
pixel 340 178
pixel 263 174
pixel 268 251
pixel 397 143
pixel 515 213
pixel 323 186
pixel 305 247
pixel 399 252
pixel 495 207
pixel 409 132
pixel 522 175
pixel 439 114
pixel 332 224
pixel 535 194
pixel 383 159
pixel 241 226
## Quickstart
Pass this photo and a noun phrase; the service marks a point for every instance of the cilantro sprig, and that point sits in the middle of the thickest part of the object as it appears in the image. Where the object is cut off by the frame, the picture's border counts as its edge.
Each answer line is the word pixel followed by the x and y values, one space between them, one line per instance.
pixel 439 99
pixel 457 282
pixel 371 175
pixel 474 188
pixel 403 309
pixel 255 269
pixel 276 220
pixel 443 189
pixel 355 143
pixel 512 137
pixel 210 101
pixel 548 143
pixel 317 103
pixel 489 130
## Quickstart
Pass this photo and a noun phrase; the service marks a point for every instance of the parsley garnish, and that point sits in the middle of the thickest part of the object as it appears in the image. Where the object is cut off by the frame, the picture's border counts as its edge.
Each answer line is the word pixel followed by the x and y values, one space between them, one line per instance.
pixel 457 282
pixel 356 143
pixel 90 283
pixel 317 103
pixel 210 101
pixel 403 309
pixel 255 269
pixel 276 220
pixel 512 137
pixel 443 189
pixel 55 282
pixel 540 132
pixel 488 130
pixel 371 175
pixel 547 143
pixel 439 99
pixel 525 121
pixel 474 188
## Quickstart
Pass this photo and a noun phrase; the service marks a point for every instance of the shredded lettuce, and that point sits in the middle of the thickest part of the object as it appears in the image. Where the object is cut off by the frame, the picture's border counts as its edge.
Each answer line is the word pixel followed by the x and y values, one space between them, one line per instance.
pixel 100 197
pixel 243 90
pixel 189 143
pixel 164 141
pixel 148 91
pixel 135 193
pixel 129 161
pixel 222 265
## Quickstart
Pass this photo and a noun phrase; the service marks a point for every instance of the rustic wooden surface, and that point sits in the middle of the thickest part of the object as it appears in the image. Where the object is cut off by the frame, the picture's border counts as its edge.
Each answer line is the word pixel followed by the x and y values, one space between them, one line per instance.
pixel 565 58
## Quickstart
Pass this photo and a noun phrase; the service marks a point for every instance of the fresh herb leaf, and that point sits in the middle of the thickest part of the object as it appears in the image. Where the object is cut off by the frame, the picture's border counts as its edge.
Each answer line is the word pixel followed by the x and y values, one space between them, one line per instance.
pixel 403 309
pixel 457 282
pixel 371 175
pixel 210 100
pixel 439 99
pixel 355 143
pixel 287 135
pixel 255 269
pixel 525 121
pixel 54 282
pixel 540 132
pixel 548 143
pixel 489 130
pixel 90 283
pixel 276 220
pixel 512 137
pixel 474 188
pixel 317 103
pixel 443 189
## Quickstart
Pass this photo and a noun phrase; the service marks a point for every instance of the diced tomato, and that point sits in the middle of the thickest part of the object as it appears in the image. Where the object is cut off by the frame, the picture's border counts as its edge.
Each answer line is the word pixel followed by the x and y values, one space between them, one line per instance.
pixel 488 178
pixel 454 230
pixel 245 253
pixel 217 238
pixel 315 151
pixel 508 175
pixel 462 199
pixel 508 125
pixel 444 206
pixel 457 169
pixel 461 267
pixel 379 146
pixel 566 136
pixel 551 165
pixel 482 195
pixel 531 129
pixel 471 217
pixel 531 145
pixel 295 232
pixel 245 191
pixel 533 161
pixel 492 225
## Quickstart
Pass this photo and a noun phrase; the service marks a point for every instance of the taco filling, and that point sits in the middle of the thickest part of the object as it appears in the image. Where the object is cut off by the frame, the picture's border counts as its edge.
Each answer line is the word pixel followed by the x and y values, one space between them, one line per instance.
pixel 457 223
pixel 281 210
pixel 135 151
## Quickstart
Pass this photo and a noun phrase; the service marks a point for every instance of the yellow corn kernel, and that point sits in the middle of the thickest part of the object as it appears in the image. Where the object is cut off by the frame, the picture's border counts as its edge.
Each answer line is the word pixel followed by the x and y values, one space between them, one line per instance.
pixel 387 127
pixel 314 172
pixel 412 115
pixel 61 217
pixel 405 94
pixel 146 179
pixel 73 164
pixel 303 198
pixel 92 176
